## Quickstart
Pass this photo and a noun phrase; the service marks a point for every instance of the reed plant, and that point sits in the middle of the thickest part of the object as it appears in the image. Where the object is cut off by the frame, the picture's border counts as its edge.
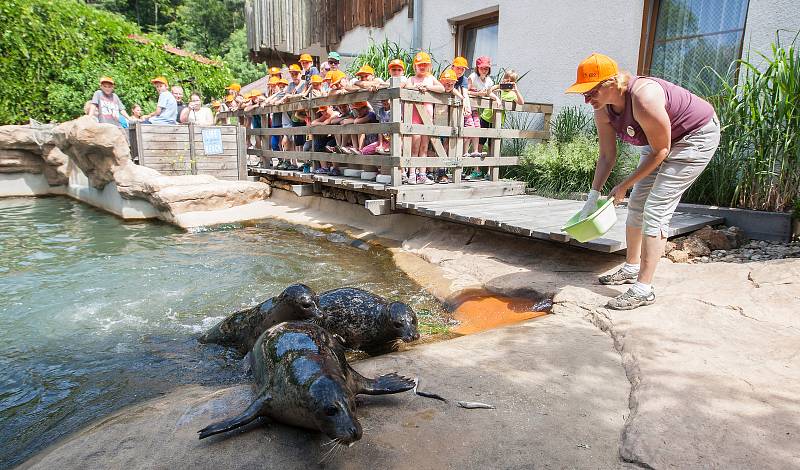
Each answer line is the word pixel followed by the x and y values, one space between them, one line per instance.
pixel 570 122
pixel 378 55
pixel 757 164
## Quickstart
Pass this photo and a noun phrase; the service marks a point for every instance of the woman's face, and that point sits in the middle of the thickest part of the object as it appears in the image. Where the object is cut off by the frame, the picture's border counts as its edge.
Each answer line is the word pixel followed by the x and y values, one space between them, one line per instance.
pixel 195 102
pixel 600 95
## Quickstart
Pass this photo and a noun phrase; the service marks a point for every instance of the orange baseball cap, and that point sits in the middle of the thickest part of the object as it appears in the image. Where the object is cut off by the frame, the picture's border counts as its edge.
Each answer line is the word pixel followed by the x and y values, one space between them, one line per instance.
pixel 448 75
pixel 255 93
pixel 283 81
pixel 359 104
pixel 234 87
pixel 106 79
pixel 159 79
pixel 397 63
pixel 305 58
pixel 229 99
pixel 337 76
pixel 295 68
pixel 460 62
pixel 322 108
pixel 216 104
pixel 365 69
pixel 594 69
pixel 316 79
pixel 422 57
pixel 273 80
pixel 328 76
pixel 274 71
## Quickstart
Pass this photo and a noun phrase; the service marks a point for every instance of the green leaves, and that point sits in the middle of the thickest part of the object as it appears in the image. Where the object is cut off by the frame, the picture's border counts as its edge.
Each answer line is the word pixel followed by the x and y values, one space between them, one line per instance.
pixel 52 54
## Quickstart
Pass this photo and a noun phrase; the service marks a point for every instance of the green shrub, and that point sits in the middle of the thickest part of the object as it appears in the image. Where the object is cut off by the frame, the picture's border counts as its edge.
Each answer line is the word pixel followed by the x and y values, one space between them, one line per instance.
pixel 561 169
pixel 379 54
pixel 570 122
pixel 757 164
pixel 52 54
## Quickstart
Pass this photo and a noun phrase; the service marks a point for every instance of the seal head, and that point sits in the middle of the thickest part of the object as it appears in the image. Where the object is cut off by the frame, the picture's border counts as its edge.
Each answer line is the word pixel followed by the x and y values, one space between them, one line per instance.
pixel 403 322
pixel 334 409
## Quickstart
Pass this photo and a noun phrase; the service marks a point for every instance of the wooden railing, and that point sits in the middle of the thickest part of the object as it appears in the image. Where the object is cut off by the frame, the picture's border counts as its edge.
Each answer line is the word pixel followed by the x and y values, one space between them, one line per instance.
pixel 447 122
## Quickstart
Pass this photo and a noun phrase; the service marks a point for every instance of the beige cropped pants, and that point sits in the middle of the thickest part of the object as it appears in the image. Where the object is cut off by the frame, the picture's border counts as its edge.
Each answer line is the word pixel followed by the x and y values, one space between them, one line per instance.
pixel 654 198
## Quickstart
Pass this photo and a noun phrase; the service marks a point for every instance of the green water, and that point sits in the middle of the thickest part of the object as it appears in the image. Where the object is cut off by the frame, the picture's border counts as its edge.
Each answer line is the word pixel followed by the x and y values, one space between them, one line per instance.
pixel 97 313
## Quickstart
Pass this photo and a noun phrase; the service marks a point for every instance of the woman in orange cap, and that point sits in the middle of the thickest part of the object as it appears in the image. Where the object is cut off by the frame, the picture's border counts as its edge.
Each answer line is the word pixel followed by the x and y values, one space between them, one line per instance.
pixel 422 81
pixel 679 133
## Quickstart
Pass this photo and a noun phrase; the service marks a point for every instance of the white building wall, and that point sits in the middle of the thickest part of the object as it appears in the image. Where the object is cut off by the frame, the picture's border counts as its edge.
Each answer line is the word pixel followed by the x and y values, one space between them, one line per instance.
pixel 764 18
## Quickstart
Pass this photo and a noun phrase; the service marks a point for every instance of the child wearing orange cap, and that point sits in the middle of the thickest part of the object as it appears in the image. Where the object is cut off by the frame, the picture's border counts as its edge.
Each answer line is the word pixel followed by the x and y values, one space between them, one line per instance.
pixel 397 69
pixel 366 80
pixel 363 114
pixel 167 108
pixel 308 68
pixel 107 106
pixel 459 66
pixel 314 88
pixel 421 81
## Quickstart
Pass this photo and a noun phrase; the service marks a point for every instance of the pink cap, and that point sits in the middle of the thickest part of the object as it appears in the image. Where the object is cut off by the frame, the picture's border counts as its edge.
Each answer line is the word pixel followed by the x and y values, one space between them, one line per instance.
pixel 483 61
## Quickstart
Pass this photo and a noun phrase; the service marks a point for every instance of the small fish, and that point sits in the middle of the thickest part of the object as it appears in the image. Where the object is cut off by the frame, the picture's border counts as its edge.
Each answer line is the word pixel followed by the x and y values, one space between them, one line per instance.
pixel 473 405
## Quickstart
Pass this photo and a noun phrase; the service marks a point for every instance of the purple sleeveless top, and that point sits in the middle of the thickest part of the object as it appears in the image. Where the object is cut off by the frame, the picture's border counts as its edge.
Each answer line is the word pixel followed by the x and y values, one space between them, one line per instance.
pixel 687 112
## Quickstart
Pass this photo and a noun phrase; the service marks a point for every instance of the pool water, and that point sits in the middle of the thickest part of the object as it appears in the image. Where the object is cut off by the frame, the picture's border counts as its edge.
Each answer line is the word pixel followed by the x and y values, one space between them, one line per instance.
pixel 97 313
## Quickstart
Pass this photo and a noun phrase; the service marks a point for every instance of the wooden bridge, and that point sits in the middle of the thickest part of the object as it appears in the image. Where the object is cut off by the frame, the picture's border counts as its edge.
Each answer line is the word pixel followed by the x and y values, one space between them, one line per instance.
pixel 495 203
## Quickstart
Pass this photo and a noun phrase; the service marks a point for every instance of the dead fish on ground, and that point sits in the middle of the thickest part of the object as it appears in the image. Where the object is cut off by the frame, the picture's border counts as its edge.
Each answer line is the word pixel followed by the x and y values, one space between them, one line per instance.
pixel 474 405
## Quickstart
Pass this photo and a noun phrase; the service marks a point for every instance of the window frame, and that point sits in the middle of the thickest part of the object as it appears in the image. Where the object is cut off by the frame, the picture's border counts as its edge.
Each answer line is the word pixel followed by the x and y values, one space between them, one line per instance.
pixel 478 21
pixel 648 36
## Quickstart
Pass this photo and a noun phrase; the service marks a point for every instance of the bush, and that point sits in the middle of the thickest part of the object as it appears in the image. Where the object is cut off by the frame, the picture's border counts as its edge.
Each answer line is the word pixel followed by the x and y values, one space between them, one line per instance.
pixel 53 53
pixel 757 165
pixel 561 169
pixel 570 122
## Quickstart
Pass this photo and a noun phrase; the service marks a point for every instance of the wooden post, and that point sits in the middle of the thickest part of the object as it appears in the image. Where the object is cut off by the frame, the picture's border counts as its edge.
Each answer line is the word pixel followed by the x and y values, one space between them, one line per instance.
pixel 241 152
pixel 456 142
pixel 494 171
pixel 397 139
pixel 192 150
pixel 139 144
pixel 266 142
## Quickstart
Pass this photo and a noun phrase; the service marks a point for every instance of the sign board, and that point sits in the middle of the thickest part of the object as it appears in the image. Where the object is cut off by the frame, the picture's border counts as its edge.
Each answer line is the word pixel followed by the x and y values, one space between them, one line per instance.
pixel 212 141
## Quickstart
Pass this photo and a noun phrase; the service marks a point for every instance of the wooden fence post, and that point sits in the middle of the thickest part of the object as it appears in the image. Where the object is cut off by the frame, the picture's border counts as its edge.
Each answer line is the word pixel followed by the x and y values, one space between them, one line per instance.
pixel 397 138
pixel 192 150
pixel 241 152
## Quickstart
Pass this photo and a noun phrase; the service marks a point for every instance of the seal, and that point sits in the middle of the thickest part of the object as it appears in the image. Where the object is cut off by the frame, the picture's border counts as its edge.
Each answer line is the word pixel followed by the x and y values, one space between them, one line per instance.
pixel 367 321
pixel 302 378
pixel 240 330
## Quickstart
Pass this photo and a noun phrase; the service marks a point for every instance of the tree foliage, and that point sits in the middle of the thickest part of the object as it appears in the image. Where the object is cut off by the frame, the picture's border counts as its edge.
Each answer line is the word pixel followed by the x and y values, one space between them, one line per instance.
pixel 53 53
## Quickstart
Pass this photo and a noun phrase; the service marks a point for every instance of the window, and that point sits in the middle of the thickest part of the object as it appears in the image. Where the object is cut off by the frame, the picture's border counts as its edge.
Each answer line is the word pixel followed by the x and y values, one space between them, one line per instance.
pixel 683 39
pixel 477 36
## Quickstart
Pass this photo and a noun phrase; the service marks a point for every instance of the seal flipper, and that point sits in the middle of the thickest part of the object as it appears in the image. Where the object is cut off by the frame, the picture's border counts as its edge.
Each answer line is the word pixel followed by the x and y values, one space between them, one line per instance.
pixel 252 412
pixel 383 385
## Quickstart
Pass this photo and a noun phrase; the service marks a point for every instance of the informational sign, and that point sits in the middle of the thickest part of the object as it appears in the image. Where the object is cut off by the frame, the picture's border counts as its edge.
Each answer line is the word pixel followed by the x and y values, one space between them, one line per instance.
pixel 212 141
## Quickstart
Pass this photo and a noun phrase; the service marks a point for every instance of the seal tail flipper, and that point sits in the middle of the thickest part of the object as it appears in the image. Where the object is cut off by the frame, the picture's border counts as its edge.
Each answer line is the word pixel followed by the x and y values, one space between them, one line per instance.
pixel 385 384
pixel 250 414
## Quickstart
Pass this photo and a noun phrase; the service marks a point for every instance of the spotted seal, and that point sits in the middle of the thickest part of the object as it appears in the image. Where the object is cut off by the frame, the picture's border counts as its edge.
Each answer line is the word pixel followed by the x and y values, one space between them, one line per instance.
pixel 303 379
pixel 241 329
pixel 367 321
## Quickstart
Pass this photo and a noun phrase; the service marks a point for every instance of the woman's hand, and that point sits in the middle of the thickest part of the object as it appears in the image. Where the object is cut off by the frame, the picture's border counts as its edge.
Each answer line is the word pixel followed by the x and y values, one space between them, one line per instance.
pixel 619 192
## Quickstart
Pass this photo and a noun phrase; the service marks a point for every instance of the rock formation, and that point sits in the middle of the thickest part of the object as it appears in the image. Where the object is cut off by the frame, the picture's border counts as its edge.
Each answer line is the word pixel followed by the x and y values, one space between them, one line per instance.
pixel 102 153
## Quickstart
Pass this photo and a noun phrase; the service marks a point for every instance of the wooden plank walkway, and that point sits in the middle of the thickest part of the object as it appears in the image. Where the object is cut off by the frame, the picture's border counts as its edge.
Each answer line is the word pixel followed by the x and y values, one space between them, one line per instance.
pixel 541 218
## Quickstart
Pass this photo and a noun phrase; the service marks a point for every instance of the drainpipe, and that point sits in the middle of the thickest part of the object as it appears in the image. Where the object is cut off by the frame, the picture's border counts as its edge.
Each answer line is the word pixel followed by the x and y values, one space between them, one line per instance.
pixel 416 25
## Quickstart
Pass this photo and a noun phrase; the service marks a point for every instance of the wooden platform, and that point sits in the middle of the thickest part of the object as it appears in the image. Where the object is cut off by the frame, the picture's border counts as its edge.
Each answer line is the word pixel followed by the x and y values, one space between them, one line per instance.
pixel 541 218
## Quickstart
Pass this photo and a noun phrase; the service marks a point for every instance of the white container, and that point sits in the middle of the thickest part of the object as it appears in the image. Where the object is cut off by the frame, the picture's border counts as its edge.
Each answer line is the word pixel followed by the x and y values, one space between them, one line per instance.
pixel 383 179
pixel 351 172
pixel 368 175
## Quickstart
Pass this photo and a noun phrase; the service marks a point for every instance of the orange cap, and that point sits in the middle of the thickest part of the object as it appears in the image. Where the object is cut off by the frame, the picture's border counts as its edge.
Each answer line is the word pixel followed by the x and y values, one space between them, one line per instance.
pixel 365 69
pixel 283 81
pixel 322 108
pixel 234 86
pixel 159 79
pixel 336 76
pixel 397 63
pixel 273 80
pixel 295 68
pixel 359 104
pixel 460 62
pixel 448 75
pixel 305 58
pixel 316 79
pixel 229 98
pixel 274 71
pixel 422 57
pixel 216 104
pixel 255 93
pixel 594 69
pixel 328 76
pixel 106 79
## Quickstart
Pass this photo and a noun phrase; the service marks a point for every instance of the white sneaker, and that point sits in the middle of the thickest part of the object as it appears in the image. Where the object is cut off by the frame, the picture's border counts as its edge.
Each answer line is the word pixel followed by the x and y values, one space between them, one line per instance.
pixel 412 180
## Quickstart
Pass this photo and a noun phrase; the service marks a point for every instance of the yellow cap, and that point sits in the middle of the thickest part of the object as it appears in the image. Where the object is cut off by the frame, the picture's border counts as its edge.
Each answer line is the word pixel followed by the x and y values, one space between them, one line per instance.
pixel 255 93
pixel 274 71
pixel 316 79
pixel 397 63
pixel 283 81
pixel 460 62
pixel 234 86
pixel 159 79
pixel 365 69
pixel 106 79
pixel 273 80
pixel 295 68
pixel 336 76
pixel 422 57
pixel 448 76
pixel 305 58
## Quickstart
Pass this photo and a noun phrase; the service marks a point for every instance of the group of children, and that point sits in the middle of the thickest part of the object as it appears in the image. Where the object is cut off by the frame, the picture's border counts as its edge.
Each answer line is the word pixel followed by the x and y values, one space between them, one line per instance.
pixel 305 81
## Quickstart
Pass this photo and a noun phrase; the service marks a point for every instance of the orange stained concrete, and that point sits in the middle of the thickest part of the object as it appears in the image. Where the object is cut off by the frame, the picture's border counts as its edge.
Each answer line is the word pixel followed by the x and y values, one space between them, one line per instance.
pixel 483 312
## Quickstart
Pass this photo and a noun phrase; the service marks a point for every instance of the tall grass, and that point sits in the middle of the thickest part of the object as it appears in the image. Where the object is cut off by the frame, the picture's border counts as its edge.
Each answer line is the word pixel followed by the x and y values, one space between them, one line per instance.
pixel 757 165
pixel 378 55
pixel 570 122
